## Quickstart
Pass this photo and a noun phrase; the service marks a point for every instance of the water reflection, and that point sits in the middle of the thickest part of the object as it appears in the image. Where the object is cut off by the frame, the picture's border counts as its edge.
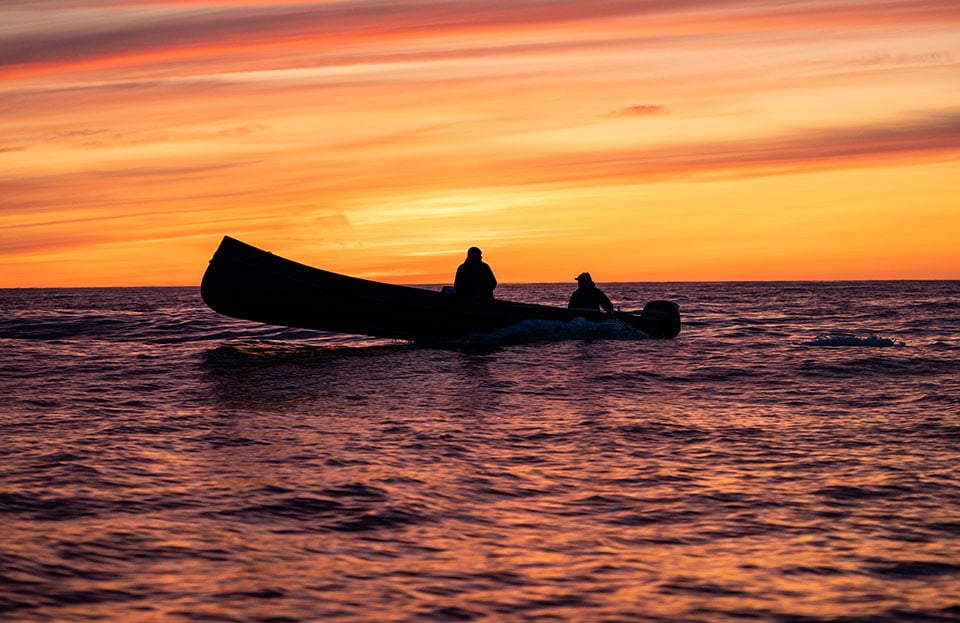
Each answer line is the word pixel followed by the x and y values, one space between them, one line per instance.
pixel 276 376
pixel 736 473
pixel 321 380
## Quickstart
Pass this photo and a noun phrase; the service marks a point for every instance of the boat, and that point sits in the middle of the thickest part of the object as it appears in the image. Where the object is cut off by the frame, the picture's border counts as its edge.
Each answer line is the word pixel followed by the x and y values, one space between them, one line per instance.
pixel 242 281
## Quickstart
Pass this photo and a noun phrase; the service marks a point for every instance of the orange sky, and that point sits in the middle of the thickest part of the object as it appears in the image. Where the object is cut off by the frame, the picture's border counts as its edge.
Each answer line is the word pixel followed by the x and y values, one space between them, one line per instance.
pixel 640 140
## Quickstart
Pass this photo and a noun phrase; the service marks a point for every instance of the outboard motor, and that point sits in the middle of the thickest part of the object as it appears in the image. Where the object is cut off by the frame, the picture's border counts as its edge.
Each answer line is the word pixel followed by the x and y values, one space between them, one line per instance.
pixel 668 313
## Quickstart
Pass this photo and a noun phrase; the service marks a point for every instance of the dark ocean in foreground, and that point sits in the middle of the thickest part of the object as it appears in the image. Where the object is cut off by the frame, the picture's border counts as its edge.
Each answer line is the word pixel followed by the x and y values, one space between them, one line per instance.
pixel 793 456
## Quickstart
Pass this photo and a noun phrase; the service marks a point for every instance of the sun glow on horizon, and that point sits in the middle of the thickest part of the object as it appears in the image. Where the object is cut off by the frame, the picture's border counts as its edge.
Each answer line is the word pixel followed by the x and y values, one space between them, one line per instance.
pixel 744 141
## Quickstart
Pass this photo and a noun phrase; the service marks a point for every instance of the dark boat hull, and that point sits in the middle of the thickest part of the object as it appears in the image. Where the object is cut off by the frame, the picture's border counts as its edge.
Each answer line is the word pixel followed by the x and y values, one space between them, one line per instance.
pixel 245 282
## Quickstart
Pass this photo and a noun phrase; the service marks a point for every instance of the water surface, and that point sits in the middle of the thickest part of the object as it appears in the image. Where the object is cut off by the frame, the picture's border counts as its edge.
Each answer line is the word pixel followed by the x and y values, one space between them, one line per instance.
pixel 791 457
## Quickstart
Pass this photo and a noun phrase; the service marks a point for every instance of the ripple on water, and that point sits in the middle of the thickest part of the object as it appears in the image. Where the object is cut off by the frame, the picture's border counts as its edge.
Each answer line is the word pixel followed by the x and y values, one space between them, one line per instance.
pixel 749 470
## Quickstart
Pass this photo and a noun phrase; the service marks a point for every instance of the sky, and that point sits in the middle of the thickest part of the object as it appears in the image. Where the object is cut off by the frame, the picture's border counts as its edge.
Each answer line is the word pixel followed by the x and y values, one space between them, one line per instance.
pixel 644 140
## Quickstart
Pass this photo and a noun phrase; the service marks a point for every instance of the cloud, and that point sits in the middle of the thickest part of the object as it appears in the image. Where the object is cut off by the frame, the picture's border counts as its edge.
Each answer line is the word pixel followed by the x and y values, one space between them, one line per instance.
pixel 939 57
pixel 26 242
pixel 105 188
pixel 932 136
pixel 640 110
pixel 134 35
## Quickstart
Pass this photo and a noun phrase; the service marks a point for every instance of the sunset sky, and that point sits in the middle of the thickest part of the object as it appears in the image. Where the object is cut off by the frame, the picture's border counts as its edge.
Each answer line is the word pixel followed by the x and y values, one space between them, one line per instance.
pixel 645 140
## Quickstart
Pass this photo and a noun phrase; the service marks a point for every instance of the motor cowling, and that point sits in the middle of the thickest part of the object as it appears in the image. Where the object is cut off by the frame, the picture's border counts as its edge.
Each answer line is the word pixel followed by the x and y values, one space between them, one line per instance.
pixel 668 313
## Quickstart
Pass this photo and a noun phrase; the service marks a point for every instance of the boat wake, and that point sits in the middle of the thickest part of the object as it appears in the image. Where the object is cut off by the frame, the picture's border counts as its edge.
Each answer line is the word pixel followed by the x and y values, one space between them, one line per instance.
pixel 530 331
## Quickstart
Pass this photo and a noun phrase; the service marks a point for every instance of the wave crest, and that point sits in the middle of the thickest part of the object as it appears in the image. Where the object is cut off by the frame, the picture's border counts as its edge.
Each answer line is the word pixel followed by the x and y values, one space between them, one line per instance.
pixel 874 341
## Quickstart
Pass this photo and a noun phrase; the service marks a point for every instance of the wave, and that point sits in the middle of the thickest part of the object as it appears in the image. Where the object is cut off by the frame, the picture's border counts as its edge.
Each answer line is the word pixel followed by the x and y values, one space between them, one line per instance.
pixel 186 324
pixel 165 327
pixel 873 341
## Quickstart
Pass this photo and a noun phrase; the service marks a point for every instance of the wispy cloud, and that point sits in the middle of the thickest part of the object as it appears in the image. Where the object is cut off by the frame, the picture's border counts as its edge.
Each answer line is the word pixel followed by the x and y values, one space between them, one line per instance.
pixel 934 136
pixel 127 120
pixel 640 110
pixel 138 33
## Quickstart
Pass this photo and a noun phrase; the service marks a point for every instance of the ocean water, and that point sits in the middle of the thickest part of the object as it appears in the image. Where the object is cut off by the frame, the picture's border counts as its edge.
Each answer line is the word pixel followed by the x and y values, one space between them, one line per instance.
pixel 793 456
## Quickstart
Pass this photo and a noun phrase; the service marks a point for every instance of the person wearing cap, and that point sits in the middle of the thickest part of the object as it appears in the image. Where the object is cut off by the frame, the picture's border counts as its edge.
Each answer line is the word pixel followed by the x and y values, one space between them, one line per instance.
pixel 474 277
pixel 588 295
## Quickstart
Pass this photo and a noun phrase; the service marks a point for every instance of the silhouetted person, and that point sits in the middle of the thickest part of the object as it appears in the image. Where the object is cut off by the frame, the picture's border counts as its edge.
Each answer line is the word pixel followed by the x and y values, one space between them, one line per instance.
pixel 588 295
pixel 474 277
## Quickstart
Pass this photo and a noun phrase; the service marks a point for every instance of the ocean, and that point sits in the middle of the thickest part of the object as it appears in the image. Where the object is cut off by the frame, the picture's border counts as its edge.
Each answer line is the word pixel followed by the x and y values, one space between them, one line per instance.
pixel 791 457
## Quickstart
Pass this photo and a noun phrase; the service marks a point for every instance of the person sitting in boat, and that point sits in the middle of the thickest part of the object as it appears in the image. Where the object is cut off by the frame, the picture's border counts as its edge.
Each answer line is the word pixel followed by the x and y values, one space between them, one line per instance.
pixel 588 295
pixel 474 277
